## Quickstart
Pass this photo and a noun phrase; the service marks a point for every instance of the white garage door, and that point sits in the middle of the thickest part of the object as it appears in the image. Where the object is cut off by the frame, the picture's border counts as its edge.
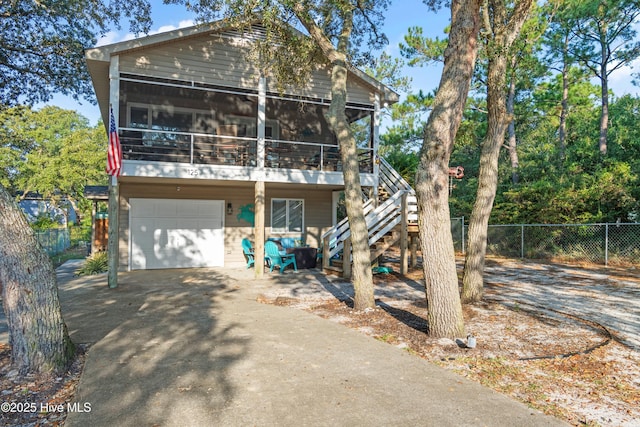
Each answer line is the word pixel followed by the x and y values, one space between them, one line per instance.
pixel 167 233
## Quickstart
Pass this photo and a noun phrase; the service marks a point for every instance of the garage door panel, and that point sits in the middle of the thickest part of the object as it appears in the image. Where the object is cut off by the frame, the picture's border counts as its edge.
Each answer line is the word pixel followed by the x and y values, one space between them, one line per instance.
pixel 142 242
pixel 167 208
pixel 145 207
pixel 189 210
pixel 204 211
pixel 176 233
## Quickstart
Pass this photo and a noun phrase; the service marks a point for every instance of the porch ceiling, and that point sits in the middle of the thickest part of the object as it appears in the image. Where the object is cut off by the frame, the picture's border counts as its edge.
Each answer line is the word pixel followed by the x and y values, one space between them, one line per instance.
pixel 225 183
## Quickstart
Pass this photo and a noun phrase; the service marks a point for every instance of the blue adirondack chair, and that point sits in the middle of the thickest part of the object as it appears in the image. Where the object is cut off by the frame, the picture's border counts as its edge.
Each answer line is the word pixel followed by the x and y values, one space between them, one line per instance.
pixel 248 252
pixel 276 259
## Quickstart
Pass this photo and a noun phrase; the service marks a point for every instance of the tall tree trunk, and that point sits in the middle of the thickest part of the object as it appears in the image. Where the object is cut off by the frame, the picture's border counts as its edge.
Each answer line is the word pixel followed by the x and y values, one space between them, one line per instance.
pixel 472 280
pixel 361 277
pixel 504 31
pixel 564 103
pixel 38 337
pixel 604 114
pixel 511 129
pixel 441 280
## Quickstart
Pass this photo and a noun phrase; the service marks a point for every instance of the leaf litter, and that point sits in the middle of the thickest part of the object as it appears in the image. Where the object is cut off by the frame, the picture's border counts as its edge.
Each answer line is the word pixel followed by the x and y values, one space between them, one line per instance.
pixel 535 346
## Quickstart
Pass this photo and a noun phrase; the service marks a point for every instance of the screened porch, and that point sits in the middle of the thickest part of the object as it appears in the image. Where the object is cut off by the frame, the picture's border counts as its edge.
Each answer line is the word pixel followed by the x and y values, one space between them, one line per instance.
pixel 165 120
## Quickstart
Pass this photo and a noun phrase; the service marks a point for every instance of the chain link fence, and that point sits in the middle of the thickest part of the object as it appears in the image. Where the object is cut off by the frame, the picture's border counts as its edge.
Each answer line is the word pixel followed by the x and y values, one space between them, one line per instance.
pixel 606 243
pixel 458 231
pixel 55 240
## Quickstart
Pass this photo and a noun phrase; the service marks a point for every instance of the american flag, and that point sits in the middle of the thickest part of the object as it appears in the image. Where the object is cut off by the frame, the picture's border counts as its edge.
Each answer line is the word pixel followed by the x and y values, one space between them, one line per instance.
pixel 114 151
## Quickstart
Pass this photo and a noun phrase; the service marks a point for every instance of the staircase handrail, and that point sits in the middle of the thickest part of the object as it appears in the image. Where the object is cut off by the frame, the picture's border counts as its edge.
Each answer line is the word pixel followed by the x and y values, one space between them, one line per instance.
pixel 386 217
pixel 391 180
pixel 380 220
pixel 343 224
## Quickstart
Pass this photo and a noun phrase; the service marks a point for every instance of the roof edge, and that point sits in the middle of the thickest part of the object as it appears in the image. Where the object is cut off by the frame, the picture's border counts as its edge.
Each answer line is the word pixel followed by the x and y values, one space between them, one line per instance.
pixel 105 52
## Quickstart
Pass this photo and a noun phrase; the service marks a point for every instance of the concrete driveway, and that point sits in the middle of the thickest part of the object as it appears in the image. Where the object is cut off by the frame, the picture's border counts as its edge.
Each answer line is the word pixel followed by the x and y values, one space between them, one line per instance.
pixel 194 347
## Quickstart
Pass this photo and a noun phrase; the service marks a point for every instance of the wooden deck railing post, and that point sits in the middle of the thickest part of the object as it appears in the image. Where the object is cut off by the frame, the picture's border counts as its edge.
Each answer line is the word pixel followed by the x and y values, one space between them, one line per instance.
pixel 326 259
pixel 259 213
pixel 414 251
pixel 404 226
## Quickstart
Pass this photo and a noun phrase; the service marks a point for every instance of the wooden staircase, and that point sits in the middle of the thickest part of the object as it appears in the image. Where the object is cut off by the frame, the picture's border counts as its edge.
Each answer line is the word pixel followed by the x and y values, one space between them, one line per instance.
pixel 377 249
pixel 392 221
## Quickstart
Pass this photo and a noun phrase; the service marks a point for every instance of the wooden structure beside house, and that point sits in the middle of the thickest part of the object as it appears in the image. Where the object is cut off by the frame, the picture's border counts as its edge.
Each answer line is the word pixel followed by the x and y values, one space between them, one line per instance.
pixel 99 220
pixel 204 133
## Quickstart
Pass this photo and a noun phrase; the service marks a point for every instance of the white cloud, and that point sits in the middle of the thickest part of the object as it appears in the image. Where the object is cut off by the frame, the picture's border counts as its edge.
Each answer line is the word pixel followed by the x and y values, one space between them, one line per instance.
pixel 620 80
pixel 110 37
pixel 115 37
pixel 182 24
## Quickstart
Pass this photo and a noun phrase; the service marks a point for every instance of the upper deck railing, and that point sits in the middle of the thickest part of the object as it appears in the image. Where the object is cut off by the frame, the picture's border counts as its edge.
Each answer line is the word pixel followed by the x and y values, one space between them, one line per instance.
pixel 195 148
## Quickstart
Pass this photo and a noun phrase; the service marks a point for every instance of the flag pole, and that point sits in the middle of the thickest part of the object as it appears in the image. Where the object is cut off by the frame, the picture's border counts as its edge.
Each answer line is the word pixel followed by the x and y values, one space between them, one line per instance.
pixel 114 165
pixel 112 249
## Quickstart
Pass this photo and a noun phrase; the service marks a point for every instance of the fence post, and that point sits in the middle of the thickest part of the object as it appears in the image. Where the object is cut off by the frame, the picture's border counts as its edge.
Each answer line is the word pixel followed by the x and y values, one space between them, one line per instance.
pixel 404 234
pixel 606 243
pixel 462 232
pixel 521 241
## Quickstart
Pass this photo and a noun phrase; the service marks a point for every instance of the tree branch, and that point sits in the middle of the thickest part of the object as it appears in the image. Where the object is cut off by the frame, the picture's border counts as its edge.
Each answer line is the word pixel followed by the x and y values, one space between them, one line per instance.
pixel 486 20
pixel 301 11
pixel 518 18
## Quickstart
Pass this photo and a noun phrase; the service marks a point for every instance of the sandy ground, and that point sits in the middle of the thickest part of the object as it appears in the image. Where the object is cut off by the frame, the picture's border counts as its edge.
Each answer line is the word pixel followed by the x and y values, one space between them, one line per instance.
pixel 564 339
pixel 609 296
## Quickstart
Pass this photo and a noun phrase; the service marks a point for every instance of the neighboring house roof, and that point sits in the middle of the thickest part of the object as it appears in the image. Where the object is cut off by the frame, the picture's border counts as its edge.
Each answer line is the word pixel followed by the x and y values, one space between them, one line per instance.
pixel 33 205
pixel 98 60
pixel 34 195
pixel 96 192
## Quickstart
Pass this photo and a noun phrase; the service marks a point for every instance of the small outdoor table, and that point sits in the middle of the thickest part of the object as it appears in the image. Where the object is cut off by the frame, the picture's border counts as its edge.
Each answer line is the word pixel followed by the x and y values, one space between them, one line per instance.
pixel 305 257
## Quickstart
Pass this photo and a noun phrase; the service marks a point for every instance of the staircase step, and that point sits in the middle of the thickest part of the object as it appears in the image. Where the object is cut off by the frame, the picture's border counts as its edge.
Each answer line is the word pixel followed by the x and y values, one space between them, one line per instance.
pixel 332 269
pixel 337 263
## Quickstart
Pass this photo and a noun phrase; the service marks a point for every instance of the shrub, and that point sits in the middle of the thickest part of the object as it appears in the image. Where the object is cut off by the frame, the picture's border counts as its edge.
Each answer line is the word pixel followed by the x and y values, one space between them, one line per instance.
pixel 95 264
pixel 45 222
pixel 79 234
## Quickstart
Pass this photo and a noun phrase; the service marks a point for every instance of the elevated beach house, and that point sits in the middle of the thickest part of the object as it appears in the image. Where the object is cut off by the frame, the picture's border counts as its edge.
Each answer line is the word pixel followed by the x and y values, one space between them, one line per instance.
pixel 211 148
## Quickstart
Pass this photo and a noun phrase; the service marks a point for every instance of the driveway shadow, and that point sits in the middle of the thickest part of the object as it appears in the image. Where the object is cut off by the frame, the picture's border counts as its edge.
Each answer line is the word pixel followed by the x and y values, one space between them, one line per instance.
pixel 157 343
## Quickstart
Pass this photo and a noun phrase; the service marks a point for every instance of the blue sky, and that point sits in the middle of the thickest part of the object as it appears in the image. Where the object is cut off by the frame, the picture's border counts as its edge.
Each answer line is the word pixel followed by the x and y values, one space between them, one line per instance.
pixel 401 15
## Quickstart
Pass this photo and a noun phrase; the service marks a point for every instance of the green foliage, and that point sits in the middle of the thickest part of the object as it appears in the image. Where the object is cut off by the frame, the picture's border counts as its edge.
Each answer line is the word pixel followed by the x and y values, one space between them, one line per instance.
pixel 605 32
pixel 95 264
pixel 45 222
pixel 421 50
pixel 570 183
pixel 53 152
pixel 574 186
pixel 43 45
pixel 405 164
pixel 80 234
pixel 401 142
pixel 388 70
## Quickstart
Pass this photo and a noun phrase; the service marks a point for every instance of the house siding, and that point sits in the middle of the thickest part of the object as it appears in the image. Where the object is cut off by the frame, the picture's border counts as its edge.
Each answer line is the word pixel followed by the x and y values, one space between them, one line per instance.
pixel 317 212
pixel 320 87
pixel 207 60
pixel 223 61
